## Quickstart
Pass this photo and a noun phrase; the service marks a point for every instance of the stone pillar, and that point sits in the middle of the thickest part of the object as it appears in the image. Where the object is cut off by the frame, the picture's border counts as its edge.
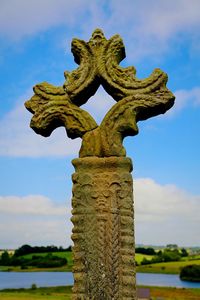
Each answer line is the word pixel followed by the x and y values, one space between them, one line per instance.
pixel 103 232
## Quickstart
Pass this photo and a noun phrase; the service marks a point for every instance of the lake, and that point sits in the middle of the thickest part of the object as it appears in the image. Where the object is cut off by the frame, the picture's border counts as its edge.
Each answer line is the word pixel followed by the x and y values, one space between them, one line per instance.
pixel 44 279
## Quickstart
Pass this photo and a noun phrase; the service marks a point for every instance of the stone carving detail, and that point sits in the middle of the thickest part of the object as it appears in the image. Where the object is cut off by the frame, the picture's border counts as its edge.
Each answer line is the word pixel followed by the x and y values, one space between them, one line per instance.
pixel 103 229
pixel 102 202
pixel 99 64
pixel 52 108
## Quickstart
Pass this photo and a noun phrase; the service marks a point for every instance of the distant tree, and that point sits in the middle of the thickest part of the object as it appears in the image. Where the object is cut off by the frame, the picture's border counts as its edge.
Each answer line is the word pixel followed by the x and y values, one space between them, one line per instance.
pixel 172 246
pixel 18 261
pixel 5 259
pixel 190 273
pixel 166 255
pixel 33 286
pixel 143 250
pixel 25 249
pixel 184 252
pixel 52 248
pixel 46 261
pixel 170 255
pixel 49 261
pixel 69 249
pixel 145 261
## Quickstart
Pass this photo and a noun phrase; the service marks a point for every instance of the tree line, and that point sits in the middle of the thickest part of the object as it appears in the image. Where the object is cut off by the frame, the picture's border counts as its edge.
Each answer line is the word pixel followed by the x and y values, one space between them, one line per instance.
pixel 190 273
pixel 27 249
pixel 46 261
pixel 40 261
pixel 165 255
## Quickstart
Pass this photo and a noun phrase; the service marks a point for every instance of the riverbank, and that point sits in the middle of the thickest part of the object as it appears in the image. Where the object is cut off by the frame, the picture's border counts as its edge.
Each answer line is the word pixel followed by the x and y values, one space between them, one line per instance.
pixel 64 292
pixel 173 267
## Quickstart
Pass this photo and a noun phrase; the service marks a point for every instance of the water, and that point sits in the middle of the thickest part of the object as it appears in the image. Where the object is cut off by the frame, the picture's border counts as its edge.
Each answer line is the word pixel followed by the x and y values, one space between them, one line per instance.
pixel 41 279
pixel 151 279
pixel 26 279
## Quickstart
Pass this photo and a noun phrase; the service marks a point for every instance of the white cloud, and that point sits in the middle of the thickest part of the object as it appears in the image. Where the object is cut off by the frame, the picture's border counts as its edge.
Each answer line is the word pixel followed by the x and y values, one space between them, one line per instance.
pixel 185 98
pixel 23 18
pixel 17 139
pixel 32 205
pixel 149 26
pixel 163 19
pixel 165 214
pixel 34 220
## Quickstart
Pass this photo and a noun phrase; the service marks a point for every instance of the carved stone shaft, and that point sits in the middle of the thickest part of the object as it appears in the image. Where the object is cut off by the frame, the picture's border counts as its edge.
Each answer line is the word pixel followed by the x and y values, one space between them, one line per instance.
pixel 103 232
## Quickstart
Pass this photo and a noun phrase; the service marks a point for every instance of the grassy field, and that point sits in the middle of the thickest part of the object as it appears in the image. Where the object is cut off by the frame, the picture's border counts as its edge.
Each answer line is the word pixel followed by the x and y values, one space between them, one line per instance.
pixel 174 293
pixel 68 255
pixel 66 268
pixel 139 257
pixel 61 293
pixel 167 267
pixel 164 268
pixel 51 293
pixel 192 257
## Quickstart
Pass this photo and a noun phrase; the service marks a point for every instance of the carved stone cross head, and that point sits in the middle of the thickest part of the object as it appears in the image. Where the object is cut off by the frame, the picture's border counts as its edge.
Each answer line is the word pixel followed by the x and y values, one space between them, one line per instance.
pixel 98 62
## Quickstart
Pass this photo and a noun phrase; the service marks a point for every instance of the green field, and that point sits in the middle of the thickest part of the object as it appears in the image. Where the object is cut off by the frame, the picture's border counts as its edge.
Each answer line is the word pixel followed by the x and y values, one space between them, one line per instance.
pixel 66 254
pixel 166 267
pixel 66 268
pixel 139 257
pixel 64 293
pixel 191 258
pixel 168 293
pixel 54 293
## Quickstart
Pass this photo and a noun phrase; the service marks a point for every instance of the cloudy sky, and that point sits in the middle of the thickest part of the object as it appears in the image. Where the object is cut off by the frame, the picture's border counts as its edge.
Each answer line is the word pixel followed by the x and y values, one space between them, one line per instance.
pixel 35 46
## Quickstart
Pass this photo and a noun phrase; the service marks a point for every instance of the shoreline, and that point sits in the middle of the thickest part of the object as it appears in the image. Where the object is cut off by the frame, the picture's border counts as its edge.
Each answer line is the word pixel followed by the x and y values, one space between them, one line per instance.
pixel 47 293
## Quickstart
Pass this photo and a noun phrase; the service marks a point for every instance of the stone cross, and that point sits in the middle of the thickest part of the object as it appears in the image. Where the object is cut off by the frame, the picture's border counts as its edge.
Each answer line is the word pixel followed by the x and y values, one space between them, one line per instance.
pixel 102 214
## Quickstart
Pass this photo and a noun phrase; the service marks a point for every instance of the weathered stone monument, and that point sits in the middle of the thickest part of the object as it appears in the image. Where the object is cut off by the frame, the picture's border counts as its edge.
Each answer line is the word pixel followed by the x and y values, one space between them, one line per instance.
pixel 103 214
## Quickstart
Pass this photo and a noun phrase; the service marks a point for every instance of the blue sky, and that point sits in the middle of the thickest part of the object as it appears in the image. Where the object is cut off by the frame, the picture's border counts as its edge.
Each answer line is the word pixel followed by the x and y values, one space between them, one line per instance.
pixel 35 46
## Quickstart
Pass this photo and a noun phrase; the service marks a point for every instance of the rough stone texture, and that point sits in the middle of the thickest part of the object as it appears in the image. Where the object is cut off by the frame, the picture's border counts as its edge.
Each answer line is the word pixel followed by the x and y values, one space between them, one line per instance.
pixel 103 232
pixel 137 99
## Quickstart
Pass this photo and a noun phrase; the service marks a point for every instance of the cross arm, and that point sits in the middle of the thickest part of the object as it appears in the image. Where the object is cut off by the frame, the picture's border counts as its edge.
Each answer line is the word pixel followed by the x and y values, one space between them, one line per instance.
pixel 52 108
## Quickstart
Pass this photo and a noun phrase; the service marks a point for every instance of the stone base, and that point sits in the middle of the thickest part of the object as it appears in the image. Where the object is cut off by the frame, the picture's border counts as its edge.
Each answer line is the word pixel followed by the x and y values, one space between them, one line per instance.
pixel 103 232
